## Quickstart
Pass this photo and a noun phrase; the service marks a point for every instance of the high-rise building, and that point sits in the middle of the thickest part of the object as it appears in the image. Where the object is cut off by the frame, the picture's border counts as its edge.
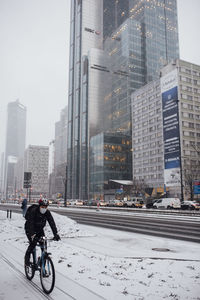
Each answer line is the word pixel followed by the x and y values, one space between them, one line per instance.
pixel 58 176
pixel 115 48
pixel 159 30
pixel 86 33
pixel 166 130
pixel 114 14
pixel 15 143
pixel 1 175
pixel 36 161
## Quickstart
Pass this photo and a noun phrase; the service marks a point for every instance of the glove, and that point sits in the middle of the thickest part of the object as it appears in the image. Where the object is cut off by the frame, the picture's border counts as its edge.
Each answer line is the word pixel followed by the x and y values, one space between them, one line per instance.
pixel 56 237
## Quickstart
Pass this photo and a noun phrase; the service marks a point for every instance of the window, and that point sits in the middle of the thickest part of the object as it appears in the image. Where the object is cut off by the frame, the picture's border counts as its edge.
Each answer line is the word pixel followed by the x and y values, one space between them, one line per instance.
pixel 185 124
pixel 185 115
pixel 191 125
pixel 184 105
pixel 185 133
pixel 191 116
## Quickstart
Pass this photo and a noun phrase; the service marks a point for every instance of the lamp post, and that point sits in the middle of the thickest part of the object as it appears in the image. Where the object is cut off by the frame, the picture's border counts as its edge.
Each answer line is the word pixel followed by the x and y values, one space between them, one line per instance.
pixel 180 155
pixel 65 195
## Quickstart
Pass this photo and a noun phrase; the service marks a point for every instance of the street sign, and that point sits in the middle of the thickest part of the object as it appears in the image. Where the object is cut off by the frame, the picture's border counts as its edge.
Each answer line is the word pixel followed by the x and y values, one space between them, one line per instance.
pixel 27 180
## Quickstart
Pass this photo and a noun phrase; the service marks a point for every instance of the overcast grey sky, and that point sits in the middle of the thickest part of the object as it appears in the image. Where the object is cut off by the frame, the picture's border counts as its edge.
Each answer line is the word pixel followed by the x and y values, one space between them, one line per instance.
pixel 34 55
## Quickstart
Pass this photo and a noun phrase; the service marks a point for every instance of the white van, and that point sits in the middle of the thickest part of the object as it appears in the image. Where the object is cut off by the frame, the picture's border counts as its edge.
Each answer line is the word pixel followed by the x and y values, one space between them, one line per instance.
pixel 168 203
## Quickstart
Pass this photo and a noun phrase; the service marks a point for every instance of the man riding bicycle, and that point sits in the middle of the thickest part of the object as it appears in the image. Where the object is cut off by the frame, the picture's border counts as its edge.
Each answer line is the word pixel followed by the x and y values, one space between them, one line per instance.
pixel 36 217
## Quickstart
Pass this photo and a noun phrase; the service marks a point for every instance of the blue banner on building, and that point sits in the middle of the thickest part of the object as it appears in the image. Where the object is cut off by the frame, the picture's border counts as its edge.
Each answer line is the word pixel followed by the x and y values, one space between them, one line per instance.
pixel 171 138
pixel 196 187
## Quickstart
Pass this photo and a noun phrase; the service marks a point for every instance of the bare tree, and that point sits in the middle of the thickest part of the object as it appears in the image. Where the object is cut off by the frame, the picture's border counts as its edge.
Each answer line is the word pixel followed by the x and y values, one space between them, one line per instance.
pixel 139 186
pixel 191 173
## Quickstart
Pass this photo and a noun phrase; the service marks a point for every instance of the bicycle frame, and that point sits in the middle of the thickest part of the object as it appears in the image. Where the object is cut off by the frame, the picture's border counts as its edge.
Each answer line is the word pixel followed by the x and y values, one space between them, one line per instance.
pixel 39 260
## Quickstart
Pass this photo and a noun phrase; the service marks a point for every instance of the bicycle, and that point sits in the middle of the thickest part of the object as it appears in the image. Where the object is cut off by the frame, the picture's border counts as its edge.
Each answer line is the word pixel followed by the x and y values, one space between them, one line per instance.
pixel 43 264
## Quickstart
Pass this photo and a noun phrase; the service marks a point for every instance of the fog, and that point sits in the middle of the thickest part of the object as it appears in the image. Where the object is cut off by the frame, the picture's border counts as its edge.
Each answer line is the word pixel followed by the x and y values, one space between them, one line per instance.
pixel 34 55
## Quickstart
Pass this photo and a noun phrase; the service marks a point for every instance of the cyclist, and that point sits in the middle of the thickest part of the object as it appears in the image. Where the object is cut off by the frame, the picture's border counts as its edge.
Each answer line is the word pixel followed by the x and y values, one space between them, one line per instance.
pixel 36 217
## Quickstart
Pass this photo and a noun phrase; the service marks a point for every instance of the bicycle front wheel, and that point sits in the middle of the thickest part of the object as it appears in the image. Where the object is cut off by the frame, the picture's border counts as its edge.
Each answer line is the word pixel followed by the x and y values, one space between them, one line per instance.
pixel 30 270
pixel 47 275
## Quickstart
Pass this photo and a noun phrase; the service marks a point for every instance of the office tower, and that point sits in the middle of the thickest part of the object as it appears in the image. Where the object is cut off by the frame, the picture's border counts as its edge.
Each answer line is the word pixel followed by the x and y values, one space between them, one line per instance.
pixel 19 177
pixel 138 49
pixel 36 161
pixel 114 14
pixel 159 30
pixel 86 33
pixel 166 130
pixel 60 153
pixel 1 175
pixel 15 143
pixel 116 47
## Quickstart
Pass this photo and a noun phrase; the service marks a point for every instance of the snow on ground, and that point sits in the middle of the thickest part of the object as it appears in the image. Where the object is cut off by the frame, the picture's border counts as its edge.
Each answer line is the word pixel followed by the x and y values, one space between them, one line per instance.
pixel 113 264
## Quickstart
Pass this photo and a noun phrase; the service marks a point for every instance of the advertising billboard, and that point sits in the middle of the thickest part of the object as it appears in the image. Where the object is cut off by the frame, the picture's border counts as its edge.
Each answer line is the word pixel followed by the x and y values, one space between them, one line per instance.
pixel 196 187
pixel 171 138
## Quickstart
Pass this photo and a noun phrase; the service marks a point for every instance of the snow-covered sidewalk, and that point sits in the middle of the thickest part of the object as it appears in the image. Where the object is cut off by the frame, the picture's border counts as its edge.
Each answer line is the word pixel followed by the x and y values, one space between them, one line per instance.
pixel 96 263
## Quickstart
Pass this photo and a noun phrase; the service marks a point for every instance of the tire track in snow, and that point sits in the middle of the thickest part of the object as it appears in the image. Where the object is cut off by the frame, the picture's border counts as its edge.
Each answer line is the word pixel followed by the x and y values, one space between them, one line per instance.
pixel 77 291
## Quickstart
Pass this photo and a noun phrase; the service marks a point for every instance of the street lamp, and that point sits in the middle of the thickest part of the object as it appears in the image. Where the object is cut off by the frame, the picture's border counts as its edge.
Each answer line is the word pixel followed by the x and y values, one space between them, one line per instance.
pixel 180 156
pixel 65 195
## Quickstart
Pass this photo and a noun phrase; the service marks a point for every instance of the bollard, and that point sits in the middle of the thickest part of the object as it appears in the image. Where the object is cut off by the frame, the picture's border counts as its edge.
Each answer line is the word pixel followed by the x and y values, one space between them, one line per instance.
pixel 9 212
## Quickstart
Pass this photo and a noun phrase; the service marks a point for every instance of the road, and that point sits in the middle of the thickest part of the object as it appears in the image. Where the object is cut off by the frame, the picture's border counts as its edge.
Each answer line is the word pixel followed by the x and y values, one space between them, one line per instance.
pixel 175 226
pixel 15 285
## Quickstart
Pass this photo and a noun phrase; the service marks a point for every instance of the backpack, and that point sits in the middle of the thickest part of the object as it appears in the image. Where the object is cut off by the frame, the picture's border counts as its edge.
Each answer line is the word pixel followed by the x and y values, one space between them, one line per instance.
pixel 31 210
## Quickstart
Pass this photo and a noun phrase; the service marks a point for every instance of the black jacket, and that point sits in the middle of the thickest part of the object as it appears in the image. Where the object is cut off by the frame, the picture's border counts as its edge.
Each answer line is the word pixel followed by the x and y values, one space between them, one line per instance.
pixel 35 221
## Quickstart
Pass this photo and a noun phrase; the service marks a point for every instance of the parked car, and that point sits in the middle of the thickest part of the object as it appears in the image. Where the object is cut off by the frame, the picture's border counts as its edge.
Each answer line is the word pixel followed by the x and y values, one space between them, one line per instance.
pixel 79 202
pixel 111 202
pixel 102 203
pixel 92 202
pixel 150 203
pixel 191 205
pixel 168 203
pixel 137 202
pixel 72 202
pixel 118 203
pixel 85 202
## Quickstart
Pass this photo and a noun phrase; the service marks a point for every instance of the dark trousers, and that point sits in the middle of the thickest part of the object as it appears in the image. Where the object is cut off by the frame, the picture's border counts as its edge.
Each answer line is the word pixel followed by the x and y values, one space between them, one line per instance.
pixel 32 244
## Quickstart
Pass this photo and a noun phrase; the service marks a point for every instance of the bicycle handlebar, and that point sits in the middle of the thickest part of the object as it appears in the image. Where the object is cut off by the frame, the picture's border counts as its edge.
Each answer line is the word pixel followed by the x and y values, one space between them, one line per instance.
pixel 44 238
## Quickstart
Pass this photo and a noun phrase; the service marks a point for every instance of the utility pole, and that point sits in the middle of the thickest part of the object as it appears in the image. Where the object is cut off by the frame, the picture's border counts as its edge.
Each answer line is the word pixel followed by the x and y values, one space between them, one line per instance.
pixel 65 196
pixel 180 156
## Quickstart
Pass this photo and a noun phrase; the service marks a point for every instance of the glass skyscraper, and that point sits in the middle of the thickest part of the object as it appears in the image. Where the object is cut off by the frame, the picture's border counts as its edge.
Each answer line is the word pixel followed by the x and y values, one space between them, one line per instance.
pixel 116 46
pixel 15 142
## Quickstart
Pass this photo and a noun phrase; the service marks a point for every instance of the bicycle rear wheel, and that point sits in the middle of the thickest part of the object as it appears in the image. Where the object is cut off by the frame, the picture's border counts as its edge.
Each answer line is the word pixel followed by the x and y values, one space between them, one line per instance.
pixel 47 275
pixel 30 270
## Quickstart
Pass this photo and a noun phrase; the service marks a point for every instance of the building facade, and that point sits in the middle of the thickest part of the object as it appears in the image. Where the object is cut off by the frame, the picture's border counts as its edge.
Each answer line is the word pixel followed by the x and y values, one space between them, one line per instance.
pixel 86 33
pixel 1 175
pixel 109 158
pixel 147 135
pixel 58 176
pixel 115 48
pixel 36 161
pixel 166 139
pixel 15 143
